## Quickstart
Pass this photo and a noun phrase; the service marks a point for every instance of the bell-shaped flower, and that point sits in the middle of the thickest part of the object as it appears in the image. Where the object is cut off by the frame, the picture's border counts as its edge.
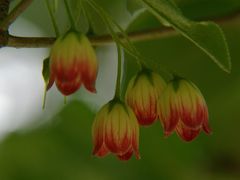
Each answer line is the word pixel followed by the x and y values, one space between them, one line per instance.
pixel 116 130
pixel 73 62
pixel 182 108
pixel 142 94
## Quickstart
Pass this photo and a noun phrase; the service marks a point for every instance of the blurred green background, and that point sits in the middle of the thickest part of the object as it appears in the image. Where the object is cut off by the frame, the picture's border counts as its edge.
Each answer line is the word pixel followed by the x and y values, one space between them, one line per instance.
pixel 60 148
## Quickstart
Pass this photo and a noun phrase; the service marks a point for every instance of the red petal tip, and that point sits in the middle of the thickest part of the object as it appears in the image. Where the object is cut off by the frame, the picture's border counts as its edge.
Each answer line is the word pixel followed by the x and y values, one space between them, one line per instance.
pixel 187 140
pixel 188 135
pixel 167 134
pixel 102 151
pixel 125 156
pixel 92 89
pixel 207 129
pixel 146 122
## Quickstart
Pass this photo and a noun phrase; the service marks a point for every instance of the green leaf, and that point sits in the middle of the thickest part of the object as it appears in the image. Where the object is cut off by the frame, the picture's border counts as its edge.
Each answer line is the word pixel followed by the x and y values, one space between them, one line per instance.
pixel 208 36
pixel 133 6
pixel 46 77
pixel 46 71
pixel 205 8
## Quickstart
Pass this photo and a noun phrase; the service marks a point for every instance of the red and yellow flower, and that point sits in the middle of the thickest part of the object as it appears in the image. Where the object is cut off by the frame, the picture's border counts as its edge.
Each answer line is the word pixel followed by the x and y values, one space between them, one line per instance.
pixel 142 94
pixel 116 130
pixel 182 108
pixel 73 62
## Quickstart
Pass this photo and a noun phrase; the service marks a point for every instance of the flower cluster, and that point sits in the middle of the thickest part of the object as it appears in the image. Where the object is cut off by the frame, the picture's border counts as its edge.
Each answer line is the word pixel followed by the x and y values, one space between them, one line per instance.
pixel 178 104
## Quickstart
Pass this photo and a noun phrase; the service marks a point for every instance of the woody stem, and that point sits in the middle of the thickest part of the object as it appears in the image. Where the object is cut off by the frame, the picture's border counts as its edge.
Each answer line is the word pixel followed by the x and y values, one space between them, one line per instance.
pixel 12 16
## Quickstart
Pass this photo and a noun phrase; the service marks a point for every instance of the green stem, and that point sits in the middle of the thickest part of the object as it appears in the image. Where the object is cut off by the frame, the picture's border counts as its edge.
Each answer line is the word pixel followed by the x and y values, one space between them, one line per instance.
pixel 119 73
pixel 52 18
pixel 110 23
pixel 125 42
pixel 70 15
pixel 121 38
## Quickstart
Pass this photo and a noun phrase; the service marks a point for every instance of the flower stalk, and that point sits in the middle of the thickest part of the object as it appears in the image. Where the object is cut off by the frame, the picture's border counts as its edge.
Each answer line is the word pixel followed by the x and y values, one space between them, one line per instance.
pixel 52 18
pixel 119 73
pixel 70 16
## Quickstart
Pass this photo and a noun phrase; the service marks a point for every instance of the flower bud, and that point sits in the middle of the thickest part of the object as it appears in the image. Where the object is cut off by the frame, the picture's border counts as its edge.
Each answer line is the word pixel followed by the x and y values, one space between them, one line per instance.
pixel 73 62
pixel 142 95
pixel 183 108
pixel 116 130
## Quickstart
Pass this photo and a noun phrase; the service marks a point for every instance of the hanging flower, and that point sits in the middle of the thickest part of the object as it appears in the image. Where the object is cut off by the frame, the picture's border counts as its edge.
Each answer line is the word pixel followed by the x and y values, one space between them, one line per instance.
pixel 116 130
pixel 183 108
pixel 73 62
pixel 142 94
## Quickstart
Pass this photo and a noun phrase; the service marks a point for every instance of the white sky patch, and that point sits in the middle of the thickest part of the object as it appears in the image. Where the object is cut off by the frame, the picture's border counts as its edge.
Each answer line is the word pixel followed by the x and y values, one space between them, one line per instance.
pixel 21 83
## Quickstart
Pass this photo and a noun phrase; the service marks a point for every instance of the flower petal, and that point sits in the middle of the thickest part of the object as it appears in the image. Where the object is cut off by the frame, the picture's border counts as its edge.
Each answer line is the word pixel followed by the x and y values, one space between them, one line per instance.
pixel 186 133
pixel 117 130
pixel 98 130
pixel 170 121
pixel 142 94
pixel 68 87
pixel 206 128
pixel 193 109
pixel 135 133
pixel 100 152
pixel 126 156
pixel 89 66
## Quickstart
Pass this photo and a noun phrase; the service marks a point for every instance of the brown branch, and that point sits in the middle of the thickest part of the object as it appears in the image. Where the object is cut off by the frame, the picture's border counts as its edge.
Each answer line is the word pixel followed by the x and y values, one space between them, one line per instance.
pixel 4 7
pixel 36 42
pixel 14 14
